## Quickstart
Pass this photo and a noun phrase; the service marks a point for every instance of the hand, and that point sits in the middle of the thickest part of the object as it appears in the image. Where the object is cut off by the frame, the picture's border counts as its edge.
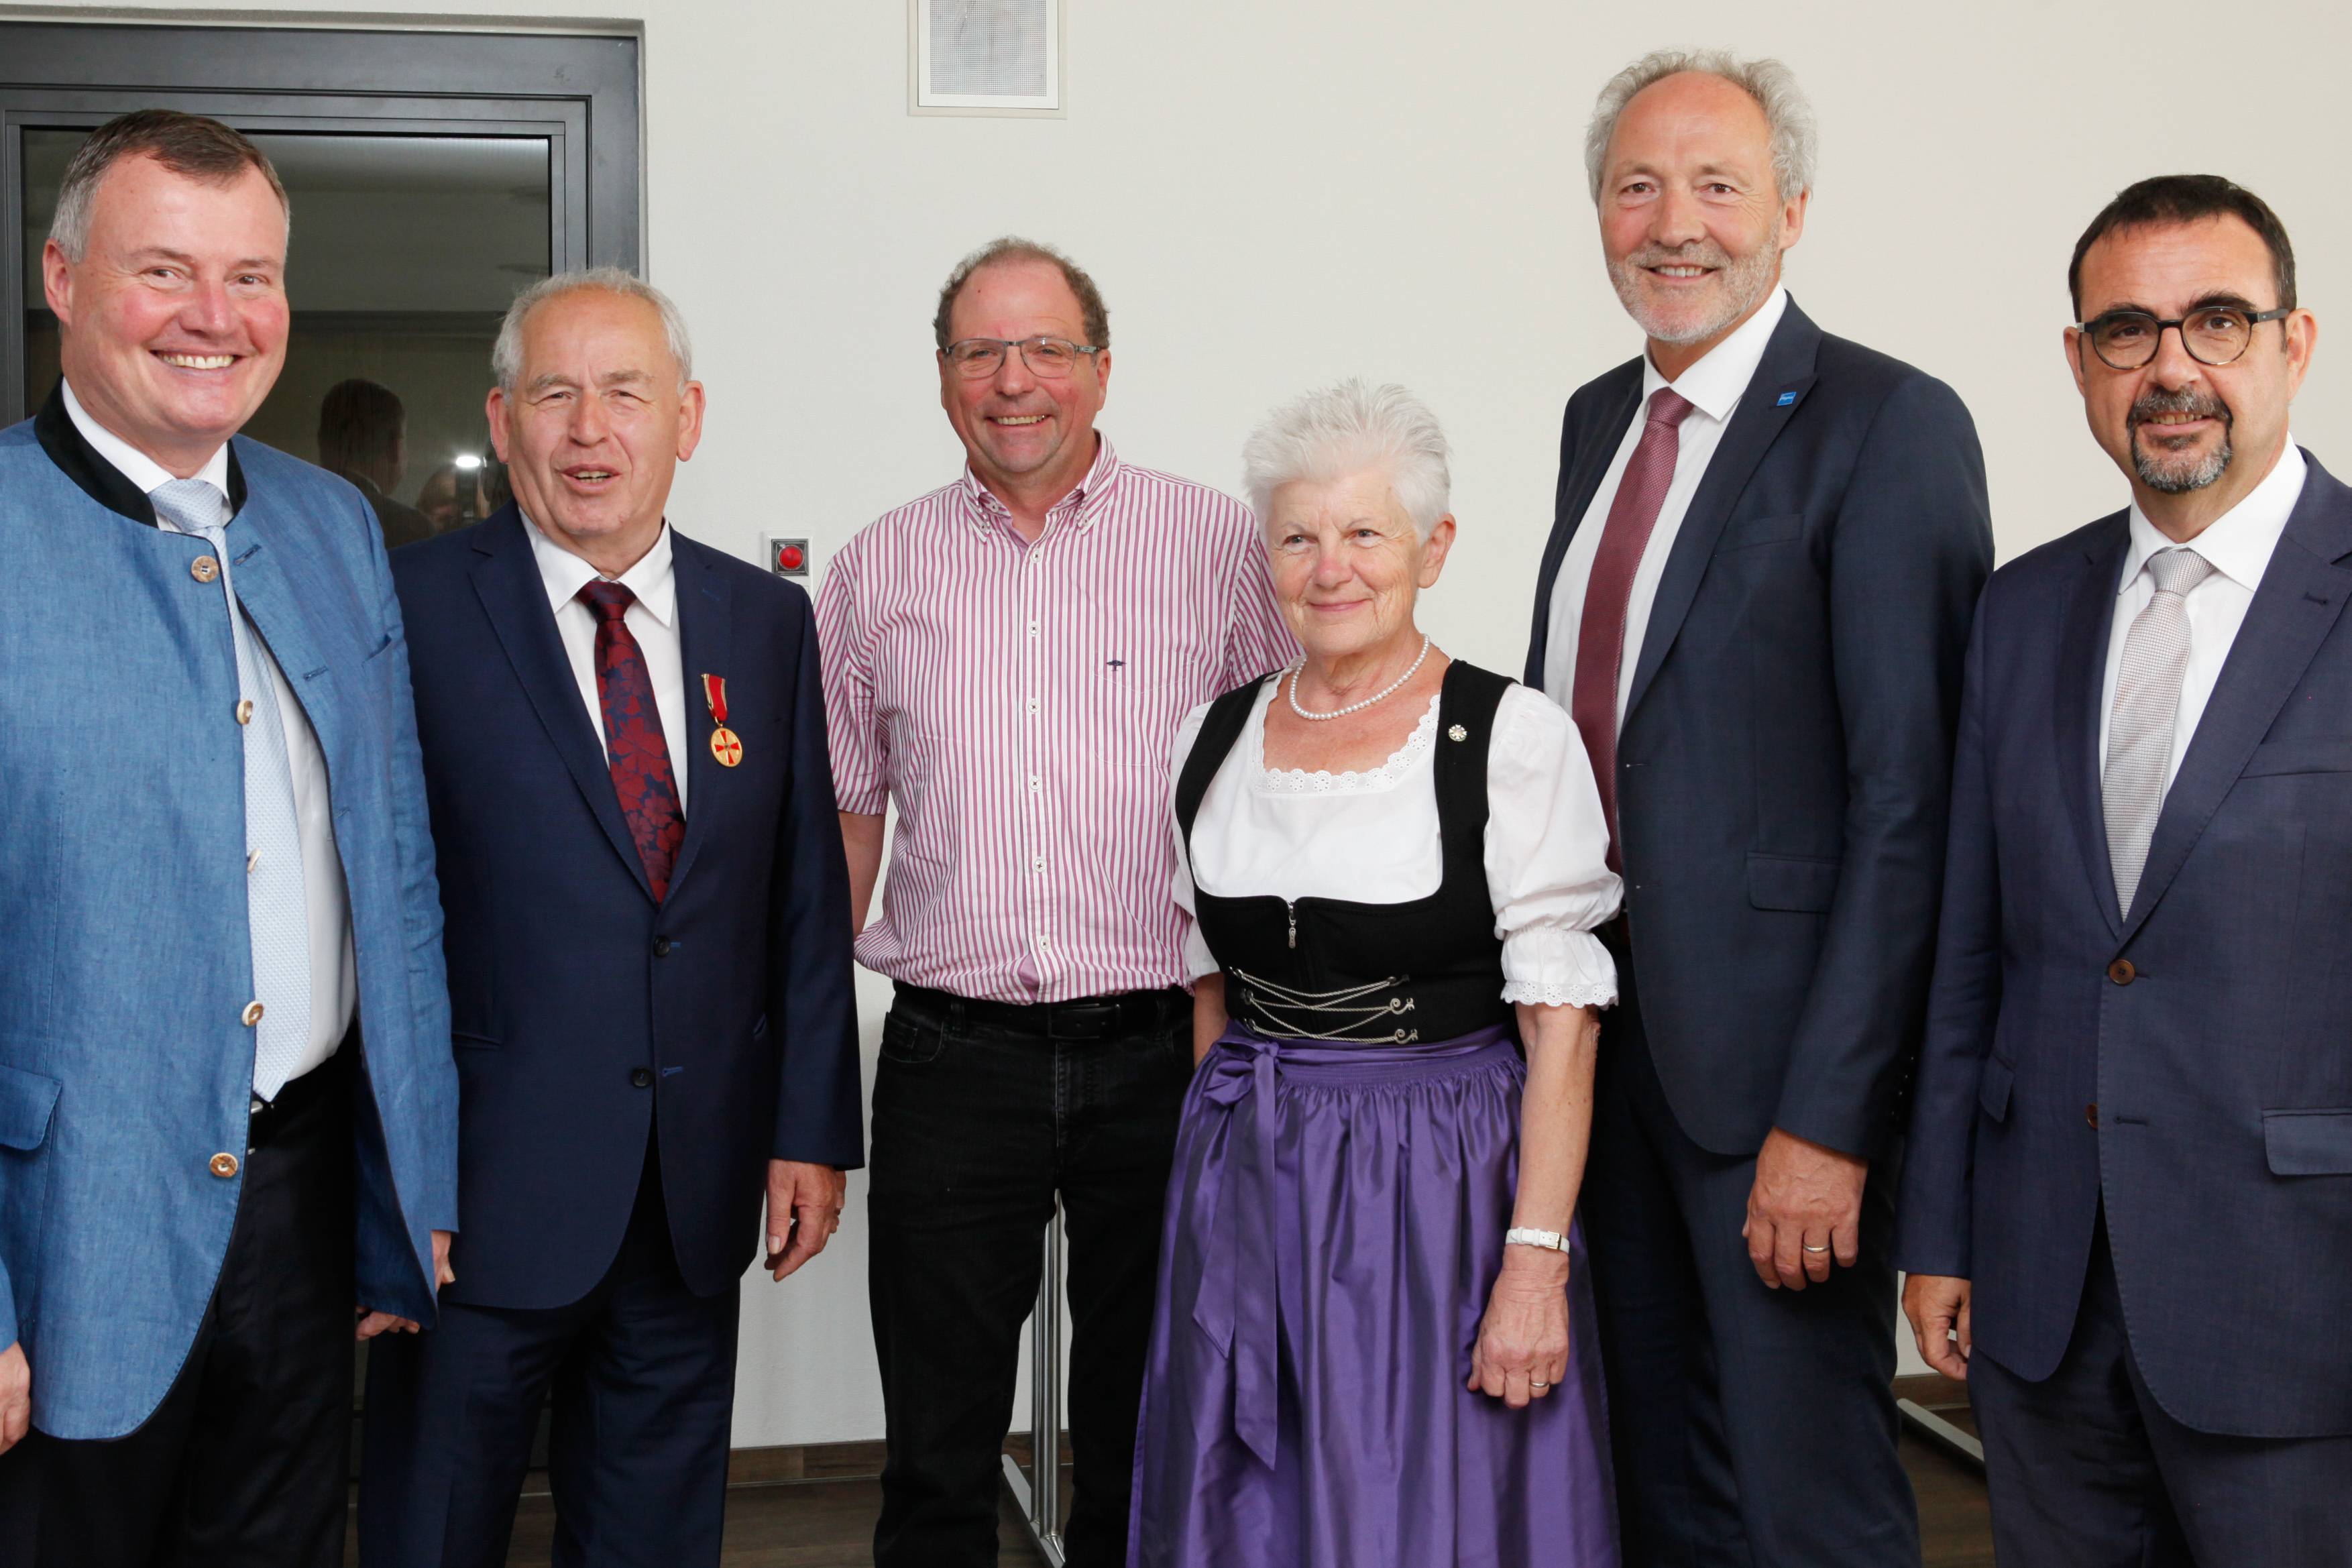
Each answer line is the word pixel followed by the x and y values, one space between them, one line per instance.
pixel 16 1396
pixel 372 1323
pixel 1806 1195
pixel 1523 1338
pixel 803 1211
pixel 1938 1306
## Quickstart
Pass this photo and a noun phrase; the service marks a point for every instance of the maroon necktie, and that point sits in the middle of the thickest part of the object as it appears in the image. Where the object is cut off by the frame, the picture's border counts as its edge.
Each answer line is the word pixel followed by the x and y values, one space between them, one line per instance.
pixel 1600 632
pixel 634 746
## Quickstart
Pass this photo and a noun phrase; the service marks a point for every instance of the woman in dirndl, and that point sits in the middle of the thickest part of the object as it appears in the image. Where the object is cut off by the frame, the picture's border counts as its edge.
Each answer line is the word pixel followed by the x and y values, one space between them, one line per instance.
pixel 1374 1343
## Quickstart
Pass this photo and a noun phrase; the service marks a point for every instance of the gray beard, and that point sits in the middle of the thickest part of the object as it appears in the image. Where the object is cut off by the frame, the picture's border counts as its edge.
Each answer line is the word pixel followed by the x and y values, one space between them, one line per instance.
pixel 1745 280
pixel 2170 476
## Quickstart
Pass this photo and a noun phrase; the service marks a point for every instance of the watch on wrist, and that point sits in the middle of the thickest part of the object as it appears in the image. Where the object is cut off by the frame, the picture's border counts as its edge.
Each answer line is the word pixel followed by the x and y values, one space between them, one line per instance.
pixel 1549 1240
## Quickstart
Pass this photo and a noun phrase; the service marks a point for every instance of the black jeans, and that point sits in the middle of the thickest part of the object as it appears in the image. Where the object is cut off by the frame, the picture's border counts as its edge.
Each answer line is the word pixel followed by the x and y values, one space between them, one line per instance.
pixel 981 1115
pixel 245 1462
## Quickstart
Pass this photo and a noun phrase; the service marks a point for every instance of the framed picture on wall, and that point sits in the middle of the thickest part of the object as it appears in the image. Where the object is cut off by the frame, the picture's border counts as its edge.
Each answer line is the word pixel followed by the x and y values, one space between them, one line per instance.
pixel 987 57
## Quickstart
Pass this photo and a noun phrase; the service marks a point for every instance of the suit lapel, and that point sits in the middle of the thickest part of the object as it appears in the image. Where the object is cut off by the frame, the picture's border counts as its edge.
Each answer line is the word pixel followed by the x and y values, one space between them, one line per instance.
pixel 2082 670
pixel 705 628
pixel 1773 396
pixel 514 596
pixel 2299 600
pixel 1579 481
pixel 273 583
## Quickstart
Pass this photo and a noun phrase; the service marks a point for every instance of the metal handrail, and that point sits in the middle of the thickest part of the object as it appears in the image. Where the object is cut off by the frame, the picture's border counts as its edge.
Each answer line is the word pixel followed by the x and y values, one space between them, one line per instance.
pixel 1038 1494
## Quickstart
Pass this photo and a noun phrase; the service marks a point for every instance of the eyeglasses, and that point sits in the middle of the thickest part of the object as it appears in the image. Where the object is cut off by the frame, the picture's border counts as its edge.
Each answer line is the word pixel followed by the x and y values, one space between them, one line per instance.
pixel 2213 335
pixel 1051 357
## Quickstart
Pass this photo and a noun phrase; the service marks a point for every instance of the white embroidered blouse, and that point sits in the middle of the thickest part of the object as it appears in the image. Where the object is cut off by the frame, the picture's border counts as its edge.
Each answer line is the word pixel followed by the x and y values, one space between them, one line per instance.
pixel 1372 838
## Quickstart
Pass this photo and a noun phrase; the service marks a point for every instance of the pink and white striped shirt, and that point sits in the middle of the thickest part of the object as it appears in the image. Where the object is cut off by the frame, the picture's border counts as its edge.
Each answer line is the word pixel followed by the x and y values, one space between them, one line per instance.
pixel 1018 701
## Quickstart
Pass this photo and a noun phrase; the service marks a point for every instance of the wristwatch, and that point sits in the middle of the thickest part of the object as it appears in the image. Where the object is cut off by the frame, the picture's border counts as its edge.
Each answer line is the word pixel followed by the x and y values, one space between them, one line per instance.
pixel 1551 1240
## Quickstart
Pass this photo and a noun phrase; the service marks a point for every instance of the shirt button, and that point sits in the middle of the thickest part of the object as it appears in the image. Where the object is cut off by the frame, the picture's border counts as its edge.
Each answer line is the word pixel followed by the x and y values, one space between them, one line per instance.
pixel 1033 705
pixel 641 1077
pixel 252 859
pixel 203 568
pixel 1038 863
pixel 224 1166
pixel 245 710
pixel 252 1014
pixel 1041 939
pixel 1034 784
pixel 2122 972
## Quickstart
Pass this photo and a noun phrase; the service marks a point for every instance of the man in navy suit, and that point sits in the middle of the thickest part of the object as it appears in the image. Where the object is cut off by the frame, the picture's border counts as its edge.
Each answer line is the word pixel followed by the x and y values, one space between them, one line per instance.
pixel 649 968
pixel 2130 1188
pixel 1754 605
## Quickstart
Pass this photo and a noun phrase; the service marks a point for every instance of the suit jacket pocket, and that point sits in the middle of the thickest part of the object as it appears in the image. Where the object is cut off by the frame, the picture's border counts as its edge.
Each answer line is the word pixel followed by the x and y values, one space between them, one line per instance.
pixel 1993 1087
pixel 1749 531
pixel 2308 1143
pixel 1791 882
pixel 2322 755
pixel 27 1101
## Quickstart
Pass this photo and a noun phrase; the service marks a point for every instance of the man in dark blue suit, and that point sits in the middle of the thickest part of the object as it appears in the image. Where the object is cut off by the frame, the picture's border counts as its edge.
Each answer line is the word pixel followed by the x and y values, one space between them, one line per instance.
pixel 647 923
pixel 1754 604
pixel 2130 1188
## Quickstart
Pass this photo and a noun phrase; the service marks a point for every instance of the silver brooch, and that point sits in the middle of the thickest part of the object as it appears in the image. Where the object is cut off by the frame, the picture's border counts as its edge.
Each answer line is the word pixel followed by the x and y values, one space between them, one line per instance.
pixel 1457 733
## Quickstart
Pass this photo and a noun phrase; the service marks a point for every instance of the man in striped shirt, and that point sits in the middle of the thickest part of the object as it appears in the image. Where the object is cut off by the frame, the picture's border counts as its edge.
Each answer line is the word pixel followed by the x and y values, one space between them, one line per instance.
pixel 1008 659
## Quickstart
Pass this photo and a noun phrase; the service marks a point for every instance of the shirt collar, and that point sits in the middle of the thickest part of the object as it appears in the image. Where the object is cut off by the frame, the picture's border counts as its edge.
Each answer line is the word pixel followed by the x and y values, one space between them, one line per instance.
pixel 984 511
pixel 1718 381
pixel 2240 542
pixel 564 574
pixel 134 465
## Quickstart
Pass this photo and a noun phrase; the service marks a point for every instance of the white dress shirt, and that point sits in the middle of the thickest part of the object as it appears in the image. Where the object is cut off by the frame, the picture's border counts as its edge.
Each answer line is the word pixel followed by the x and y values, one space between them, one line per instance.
pixel 1374 837
pixel 2238 545
pixel 652 620
pixel 1714 387
pixel 334 966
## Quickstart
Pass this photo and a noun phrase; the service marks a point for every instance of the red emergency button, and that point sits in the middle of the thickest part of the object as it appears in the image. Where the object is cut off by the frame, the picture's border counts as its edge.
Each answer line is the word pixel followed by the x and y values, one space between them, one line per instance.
pixel 791 557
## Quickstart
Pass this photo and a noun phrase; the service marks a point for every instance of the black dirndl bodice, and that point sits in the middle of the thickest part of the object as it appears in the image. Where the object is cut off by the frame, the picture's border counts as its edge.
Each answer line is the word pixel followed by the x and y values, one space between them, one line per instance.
pixel 1333 969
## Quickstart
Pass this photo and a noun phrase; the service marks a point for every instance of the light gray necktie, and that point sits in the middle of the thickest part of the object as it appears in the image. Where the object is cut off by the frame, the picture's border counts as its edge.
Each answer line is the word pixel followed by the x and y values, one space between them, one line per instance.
pixel 2147 705
pixel 276 909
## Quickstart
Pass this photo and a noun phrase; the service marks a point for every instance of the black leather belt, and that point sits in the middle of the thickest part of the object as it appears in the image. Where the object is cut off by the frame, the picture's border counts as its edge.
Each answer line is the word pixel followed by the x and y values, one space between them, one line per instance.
pixel 1081 1019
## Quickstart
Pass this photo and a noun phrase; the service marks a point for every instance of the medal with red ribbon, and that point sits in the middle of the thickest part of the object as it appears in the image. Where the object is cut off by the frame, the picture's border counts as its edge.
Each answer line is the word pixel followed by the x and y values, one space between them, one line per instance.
pixel 725 744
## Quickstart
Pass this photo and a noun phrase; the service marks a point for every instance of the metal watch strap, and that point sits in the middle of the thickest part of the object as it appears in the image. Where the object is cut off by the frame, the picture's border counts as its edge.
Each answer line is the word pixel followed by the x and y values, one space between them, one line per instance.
pixel 1551 1240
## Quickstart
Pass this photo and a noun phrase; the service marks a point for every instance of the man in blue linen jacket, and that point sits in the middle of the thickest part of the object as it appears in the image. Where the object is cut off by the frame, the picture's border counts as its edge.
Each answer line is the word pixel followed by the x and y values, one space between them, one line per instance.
pixel 2130 1186
pixel 649 963
pixel 1754 604
pixel 226 1103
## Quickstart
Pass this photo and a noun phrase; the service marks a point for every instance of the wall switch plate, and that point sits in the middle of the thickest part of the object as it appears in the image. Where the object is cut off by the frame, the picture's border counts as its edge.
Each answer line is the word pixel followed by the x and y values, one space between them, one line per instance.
pixel 788 557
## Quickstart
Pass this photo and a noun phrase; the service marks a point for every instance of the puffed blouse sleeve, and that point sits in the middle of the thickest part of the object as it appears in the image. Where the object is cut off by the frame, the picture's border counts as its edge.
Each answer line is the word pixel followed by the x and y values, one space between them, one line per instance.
pixel 1198 960
pixel 1547 857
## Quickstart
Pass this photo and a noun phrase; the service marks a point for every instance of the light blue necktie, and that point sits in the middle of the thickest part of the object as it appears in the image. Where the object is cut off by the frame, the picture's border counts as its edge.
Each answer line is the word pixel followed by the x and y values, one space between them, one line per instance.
pixel 277 910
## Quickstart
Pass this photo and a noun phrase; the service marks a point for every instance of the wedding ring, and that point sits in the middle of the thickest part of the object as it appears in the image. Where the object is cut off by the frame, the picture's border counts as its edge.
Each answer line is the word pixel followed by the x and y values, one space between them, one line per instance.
pixel 1538 1382
pixel 1811 1248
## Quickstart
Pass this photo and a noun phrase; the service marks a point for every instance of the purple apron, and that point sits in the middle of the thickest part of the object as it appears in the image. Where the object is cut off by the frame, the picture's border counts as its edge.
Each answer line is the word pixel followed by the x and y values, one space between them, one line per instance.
pixel 1334 1222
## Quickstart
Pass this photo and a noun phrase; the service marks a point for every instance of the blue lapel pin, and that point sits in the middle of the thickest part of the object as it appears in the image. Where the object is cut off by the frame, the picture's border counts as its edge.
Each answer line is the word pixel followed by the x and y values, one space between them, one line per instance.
pixel 1785 399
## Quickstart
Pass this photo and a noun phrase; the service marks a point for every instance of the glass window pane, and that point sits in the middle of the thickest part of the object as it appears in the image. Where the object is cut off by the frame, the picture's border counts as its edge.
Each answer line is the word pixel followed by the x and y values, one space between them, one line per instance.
pixel 406 251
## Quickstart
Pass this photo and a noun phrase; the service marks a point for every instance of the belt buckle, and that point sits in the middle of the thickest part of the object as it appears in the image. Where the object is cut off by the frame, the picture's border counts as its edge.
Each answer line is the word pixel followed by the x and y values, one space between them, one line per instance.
pixel 1091 1019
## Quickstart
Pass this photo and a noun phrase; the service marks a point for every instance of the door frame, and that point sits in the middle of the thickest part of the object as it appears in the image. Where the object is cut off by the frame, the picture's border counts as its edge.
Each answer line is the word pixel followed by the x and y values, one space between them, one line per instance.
pixel 580 91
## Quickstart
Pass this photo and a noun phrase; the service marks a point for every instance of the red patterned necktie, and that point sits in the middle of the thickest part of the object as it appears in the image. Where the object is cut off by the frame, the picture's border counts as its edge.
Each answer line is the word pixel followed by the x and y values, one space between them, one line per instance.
pixel 634 746
pixel 1600 633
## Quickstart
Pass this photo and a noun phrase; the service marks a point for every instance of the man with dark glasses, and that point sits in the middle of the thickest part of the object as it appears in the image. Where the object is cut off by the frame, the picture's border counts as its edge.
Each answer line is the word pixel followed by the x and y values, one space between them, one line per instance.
pixel 2128 1216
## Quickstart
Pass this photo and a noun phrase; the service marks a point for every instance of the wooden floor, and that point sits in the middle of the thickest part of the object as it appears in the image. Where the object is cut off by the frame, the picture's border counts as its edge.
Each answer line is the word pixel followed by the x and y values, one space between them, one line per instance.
pixel 829 1523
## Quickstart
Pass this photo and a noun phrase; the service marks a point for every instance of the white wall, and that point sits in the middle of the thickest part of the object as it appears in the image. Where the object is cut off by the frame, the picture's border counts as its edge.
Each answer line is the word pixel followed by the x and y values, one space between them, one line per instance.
pixel 1273 193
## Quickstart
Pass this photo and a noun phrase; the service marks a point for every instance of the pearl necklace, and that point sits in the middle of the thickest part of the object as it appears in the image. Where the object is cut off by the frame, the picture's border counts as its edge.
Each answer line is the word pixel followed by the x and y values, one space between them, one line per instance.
pixel 1389 691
